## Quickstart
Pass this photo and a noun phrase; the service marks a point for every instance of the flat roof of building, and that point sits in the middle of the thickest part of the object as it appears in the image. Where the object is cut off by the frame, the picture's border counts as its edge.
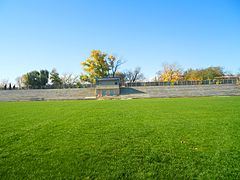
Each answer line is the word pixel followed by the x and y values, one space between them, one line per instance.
pixel 108 79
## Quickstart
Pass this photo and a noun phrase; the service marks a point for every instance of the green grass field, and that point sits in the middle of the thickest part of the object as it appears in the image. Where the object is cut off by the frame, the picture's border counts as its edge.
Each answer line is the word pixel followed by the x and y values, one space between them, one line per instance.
pixel 121 139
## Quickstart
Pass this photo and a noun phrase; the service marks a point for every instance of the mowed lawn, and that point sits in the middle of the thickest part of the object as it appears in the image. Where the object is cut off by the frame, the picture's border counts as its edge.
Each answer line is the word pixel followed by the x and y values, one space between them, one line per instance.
pixel 121 139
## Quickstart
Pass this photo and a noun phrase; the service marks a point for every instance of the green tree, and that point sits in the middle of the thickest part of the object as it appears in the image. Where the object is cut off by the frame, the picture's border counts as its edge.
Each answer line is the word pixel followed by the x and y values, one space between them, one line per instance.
pixel 44 76
pixel 212 73
pixel 55 79
pixel 34 79
pixel 209 73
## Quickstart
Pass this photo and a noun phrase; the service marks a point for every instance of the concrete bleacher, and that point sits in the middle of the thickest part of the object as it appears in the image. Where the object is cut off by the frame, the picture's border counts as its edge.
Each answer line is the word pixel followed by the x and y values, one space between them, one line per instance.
pixel 180 91
pixel 47 94
pixel 125 92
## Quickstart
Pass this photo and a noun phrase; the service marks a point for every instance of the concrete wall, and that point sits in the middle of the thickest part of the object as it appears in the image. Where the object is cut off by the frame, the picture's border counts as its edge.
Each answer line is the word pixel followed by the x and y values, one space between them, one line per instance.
pixel 46 94
pixel 134 92
pixel 108 92
pixel 180 91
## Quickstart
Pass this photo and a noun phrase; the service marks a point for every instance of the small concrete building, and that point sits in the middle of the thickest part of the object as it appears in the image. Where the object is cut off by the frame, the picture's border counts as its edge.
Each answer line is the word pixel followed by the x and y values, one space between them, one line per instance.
pixel 107 87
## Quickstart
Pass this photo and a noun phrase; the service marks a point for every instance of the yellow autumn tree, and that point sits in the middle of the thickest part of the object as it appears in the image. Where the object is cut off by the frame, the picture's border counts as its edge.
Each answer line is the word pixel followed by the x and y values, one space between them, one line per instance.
pixel 99 65
pixel 25 80
pixel 170 73
pixel 95 66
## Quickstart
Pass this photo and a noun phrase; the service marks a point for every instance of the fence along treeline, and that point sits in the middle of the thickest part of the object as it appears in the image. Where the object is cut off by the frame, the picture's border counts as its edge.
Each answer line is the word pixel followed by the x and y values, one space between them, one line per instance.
pixel 102 65
pixel 183 82
pixel 172 74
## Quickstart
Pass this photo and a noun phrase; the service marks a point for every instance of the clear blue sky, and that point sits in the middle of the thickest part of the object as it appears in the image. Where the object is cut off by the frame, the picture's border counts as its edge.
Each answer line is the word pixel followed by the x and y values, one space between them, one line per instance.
pixel 42 34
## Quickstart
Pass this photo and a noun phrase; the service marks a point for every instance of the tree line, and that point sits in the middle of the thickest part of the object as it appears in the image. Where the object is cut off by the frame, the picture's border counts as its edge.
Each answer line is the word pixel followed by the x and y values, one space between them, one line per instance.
pixel 103 65
pixel 100 65
pixel 44 79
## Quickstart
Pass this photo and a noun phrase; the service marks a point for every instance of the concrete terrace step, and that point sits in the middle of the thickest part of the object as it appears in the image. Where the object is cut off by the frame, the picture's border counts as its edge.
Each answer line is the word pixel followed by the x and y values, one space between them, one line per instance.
pixel 46 94
pixel 128 92
pixel 181 91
